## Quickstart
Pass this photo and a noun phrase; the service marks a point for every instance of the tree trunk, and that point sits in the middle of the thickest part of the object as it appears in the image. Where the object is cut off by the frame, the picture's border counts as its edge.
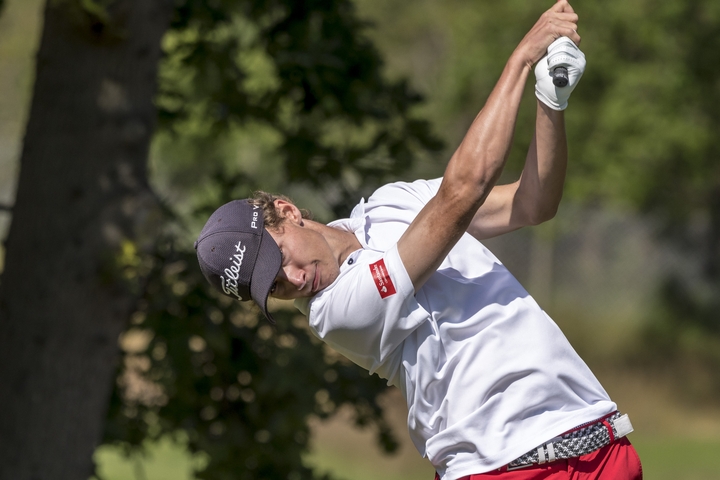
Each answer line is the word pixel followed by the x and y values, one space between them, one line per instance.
pixel 83 206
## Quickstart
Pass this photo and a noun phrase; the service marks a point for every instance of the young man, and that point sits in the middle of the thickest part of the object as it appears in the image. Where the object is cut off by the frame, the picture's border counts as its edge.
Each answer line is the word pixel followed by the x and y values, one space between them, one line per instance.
pixel 405 289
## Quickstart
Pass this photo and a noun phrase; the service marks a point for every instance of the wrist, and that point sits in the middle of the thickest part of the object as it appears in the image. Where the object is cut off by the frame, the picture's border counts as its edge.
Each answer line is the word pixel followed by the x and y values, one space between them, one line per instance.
pixel 516 71
pixel 521 61
pixel 549 111
pixel 556 117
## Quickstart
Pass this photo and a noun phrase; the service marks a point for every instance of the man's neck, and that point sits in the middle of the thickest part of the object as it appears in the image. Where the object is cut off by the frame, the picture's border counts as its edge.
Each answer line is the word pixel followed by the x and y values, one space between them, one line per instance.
pixel 342 242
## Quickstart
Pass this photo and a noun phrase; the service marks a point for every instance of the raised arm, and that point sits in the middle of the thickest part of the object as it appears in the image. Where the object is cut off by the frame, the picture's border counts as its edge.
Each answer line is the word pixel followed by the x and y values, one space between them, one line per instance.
pixel 535 197
pixel 477 163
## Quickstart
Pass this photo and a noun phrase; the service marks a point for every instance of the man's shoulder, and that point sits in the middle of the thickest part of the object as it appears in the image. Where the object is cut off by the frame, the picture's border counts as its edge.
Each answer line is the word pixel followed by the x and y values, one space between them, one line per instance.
pixel 364 274
pixel 396 205
pixel 399 192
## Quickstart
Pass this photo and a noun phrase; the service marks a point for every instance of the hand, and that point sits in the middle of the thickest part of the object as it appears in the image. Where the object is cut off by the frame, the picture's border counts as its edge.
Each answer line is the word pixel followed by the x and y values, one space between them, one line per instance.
pixel 562 52
pixel 559 21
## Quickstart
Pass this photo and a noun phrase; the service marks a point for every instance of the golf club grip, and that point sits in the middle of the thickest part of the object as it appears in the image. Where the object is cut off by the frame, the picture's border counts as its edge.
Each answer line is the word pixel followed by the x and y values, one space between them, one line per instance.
pixel 560 77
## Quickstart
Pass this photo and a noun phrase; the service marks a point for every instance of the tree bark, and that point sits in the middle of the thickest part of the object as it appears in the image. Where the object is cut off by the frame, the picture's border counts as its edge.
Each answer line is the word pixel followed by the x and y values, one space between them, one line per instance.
pixel 83 205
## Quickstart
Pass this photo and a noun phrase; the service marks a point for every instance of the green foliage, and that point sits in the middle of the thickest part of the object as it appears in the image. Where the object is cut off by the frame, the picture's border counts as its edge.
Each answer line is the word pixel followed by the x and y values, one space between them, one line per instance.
pixel 300 85
pixel 642 125
pixel 276 94
pixel 304 71
pixel 647 118
pixel 242 391
pixel 647 137
pixel 683 337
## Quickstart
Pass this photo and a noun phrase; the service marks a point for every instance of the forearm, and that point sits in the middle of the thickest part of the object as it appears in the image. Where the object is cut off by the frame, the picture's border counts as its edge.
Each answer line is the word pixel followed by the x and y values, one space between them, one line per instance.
pixel 477 163
pixel 469 177
pixel 541 184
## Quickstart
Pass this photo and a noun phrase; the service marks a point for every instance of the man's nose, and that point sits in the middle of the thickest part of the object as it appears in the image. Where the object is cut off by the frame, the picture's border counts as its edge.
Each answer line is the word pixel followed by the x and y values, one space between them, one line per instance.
pixel 295 276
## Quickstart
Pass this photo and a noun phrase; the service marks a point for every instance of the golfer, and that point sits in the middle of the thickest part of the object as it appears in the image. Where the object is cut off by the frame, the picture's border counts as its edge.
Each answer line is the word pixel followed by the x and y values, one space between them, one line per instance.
pixel 405 289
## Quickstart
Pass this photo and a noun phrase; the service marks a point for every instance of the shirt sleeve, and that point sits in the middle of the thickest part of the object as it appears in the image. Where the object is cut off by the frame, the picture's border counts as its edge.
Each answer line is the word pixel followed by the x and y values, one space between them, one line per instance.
pixel 368 312
pixel 393 207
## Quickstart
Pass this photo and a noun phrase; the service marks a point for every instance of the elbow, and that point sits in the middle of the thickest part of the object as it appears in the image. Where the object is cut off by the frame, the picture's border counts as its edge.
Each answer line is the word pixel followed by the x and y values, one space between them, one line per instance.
pixel 540 214
pixel 544 216
pixel 467 187
pixel 535 207
pixel 474 172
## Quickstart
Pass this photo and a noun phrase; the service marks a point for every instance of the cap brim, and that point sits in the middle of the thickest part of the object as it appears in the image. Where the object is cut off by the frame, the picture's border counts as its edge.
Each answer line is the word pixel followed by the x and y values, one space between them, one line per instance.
pixel 267 267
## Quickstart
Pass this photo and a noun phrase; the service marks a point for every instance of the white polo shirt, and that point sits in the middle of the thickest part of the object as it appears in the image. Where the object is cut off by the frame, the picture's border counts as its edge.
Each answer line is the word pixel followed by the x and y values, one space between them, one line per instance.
pixel 487 375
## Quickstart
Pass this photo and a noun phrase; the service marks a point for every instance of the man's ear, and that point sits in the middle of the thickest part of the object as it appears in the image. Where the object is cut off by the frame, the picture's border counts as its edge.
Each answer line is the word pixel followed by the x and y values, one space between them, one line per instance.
pixel 288 211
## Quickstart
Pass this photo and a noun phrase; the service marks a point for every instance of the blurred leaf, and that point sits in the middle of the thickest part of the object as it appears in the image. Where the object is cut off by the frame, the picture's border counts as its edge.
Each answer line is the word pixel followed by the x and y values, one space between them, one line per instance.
pixel 306 72
pixel 241 389
pixel 256 95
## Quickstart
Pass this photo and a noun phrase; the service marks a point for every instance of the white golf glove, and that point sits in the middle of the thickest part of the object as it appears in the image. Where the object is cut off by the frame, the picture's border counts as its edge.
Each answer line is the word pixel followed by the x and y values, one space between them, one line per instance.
pixel 562 52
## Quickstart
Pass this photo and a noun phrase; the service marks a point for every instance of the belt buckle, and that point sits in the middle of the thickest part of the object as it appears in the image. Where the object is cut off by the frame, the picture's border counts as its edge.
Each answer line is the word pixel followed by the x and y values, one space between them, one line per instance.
pixel 622 425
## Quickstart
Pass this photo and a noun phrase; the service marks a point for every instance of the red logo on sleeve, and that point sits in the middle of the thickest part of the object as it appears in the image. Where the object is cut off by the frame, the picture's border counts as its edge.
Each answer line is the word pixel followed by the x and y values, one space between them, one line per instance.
pixel 382 279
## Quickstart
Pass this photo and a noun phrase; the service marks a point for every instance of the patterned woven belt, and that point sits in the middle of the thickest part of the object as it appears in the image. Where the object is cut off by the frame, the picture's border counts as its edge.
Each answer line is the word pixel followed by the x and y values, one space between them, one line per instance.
pixel 580 441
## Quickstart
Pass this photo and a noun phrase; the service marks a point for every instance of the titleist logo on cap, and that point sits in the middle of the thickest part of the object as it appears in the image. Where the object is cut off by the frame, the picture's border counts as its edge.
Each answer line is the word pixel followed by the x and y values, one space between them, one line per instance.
pixel 237 255
pixel 230 285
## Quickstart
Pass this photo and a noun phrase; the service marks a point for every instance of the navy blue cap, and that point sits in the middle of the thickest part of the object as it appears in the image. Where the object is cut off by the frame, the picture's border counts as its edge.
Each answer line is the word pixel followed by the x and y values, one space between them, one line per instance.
pixel 237 255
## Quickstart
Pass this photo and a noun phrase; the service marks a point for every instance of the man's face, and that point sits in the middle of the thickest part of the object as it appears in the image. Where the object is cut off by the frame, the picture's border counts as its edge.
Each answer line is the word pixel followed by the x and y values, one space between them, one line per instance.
pixel 308 262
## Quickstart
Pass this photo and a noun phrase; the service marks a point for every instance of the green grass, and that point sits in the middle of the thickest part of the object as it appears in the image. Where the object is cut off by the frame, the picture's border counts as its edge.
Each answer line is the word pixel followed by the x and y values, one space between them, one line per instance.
pixel 671 458
pixel 164 460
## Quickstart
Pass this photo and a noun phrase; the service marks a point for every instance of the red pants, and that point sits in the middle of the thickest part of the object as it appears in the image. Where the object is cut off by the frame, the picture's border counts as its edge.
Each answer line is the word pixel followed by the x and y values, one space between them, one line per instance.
pixel 617 461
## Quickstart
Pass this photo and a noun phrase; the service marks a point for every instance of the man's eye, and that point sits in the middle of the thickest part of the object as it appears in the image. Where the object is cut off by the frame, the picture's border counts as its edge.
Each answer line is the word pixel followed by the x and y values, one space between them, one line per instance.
pixel 274 286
